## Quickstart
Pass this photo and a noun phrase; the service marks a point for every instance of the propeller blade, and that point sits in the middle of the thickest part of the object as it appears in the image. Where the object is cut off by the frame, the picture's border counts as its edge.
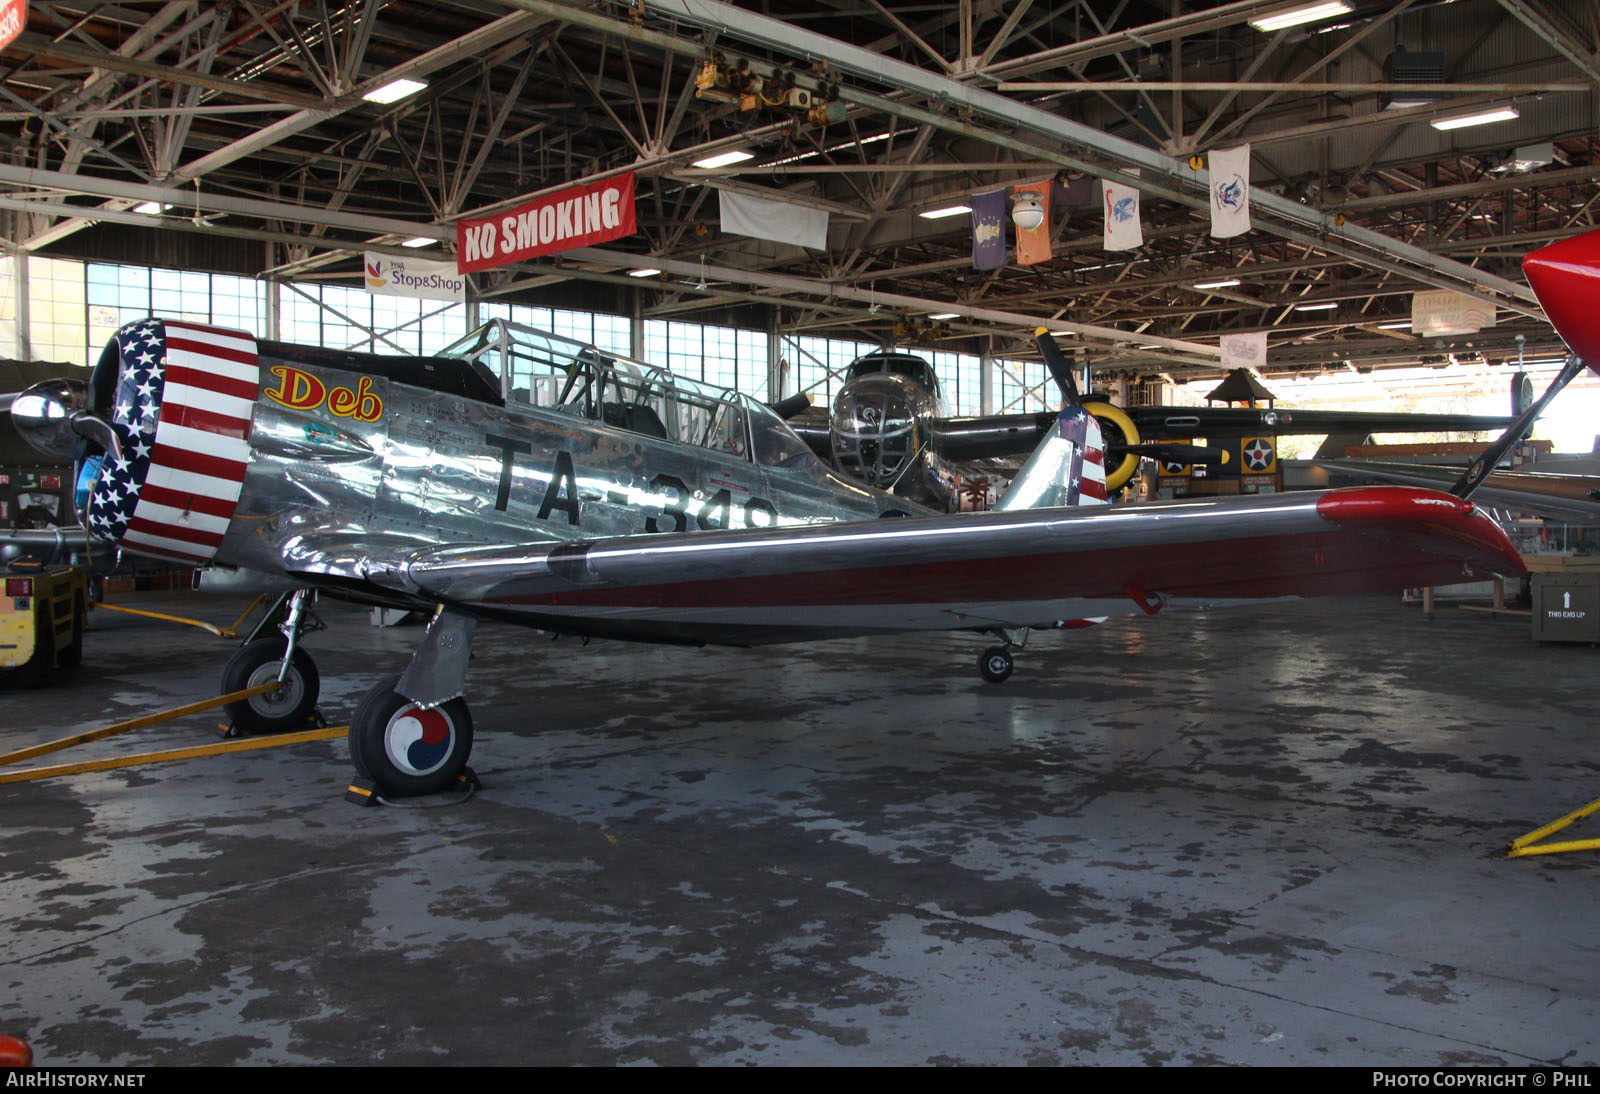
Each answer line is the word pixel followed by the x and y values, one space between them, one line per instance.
pixel 1060 368
pixel 794 404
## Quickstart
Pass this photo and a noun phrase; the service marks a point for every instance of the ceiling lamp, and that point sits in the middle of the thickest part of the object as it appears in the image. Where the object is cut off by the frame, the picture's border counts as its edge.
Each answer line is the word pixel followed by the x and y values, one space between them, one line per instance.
pixel 418 241
pixel 1479 117
pixel 643 273
pixel 1300 13
pixel 1326 306
pixel 1225 283
pixel 948 211
pixel 394 91
pixel 725 159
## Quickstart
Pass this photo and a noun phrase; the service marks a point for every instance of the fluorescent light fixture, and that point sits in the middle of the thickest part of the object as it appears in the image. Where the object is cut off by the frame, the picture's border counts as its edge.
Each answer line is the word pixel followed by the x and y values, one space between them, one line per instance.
pixel 1225 283
pixel 1328 306
pixel 1481 117
pixel 948 211
pixel 1300 13
pixel 1404 324
pixel 945 315
pixel 643 273
pixel 725 159
pixel 418 241
pixel 394 91
pixel 151 207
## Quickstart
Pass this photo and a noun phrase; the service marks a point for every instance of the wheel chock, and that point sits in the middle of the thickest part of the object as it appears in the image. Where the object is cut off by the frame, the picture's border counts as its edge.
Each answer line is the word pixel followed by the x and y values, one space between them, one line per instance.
pixel 230 732
pixel 363 792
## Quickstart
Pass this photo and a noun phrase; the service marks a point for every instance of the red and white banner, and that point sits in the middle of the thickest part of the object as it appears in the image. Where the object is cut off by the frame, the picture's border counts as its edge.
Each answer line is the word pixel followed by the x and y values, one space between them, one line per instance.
pixel 13 17
pixel 579 217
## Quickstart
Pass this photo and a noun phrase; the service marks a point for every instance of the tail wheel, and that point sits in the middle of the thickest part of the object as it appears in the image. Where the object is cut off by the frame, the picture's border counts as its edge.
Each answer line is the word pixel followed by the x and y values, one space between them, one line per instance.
pixel 406 749
pixel 1119 432
pixel 278 711
pixel 995 664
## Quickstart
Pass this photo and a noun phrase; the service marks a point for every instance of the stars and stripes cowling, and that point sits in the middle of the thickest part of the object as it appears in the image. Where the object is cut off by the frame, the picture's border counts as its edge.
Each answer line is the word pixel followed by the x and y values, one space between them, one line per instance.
pixel 181 410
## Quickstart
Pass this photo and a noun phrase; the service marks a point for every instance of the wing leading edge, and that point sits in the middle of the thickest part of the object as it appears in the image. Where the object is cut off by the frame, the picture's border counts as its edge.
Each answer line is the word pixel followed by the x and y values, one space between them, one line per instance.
pixel 1028 568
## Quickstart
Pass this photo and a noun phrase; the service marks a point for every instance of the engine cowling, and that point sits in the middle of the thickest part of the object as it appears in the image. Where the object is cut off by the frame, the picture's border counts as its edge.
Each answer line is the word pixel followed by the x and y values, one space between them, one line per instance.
pixel 179 398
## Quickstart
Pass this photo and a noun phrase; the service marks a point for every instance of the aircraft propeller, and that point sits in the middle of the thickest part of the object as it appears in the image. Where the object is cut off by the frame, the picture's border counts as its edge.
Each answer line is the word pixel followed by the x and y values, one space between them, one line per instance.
pixel 1121 435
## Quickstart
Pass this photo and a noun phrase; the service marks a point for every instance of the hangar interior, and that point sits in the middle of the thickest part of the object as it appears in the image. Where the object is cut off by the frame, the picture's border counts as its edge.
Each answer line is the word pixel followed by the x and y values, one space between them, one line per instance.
pixel 1268 838
pixel 241 140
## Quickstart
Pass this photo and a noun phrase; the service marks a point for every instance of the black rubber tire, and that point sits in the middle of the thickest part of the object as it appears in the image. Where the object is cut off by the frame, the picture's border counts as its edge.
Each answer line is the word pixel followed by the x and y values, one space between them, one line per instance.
pixel 995 664
pixel 389 745
pixel 279 711
pixel 71 655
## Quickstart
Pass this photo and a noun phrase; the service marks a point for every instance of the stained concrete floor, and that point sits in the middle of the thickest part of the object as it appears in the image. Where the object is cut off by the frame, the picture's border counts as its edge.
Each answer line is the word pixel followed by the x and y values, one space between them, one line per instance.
pixel 1264 836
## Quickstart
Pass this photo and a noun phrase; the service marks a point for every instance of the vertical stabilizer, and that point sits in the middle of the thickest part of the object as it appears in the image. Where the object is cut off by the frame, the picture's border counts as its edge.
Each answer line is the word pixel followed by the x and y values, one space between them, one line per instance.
pixel 1067 469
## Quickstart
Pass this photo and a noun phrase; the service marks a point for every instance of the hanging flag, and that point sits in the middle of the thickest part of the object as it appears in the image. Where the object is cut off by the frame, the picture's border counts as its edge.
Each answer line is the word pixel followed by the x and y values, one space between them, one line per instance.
pixel 989 230
pixel 1122 217
pixel 1230 192
pixel 774 218
pixel 1033 244
pixel 1244 350
pixel 1440 311
pixel 1080 192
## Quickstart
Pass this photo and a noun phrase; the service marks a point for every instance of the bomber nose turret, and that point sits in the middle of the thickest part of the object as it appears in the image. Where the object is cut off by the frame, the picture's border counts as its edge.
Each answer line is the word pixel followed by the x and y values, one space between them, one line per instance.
pixel 874 430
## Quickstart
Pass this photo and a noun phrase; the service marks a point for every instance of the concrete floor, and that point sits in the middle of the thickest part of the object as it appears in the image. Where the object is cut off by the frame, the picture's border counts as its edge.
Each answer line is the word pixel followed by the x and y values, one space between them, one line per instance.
pixel 1269 836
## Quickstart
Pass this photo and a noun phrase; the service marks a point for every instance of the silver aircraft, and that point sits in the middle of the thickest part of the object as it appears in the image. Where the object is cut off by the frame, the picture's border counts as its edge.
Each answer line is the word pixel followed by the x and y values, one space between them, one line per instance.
pixel 889 427
pixel 520 476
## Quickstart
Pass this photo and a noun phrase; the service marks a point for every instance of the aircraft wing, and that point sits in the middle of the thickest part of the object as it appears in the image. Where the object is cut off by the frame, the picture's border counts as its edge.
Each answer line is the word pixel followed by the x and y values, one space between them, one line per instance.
pixel 1545 493
pixel 980 570
pixel 994 435
pixel 1172 422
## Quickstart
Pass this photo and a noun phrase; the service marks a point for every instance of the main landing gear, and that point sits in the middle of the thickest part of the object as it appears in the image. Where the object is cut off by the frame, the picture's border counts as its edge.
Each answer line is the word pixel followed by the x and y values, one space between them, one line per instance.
pixel 412 733
pixel 263 660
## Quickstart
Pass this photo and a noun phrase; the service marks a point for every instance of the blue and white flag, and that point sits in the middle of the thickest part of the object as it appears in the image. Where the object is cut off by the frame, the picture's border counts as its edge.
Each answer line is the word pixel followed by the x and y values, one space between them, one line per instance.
pixel 1123 232
pixel 1230 191
pixel 989 230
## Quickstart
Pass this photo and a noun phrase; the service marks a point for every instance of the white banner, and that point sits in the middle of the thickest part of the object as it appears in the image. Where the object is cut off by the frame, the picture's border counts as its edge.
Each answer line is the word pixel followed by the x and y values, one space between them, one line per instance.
pixel 1230 191
pixel 1123 232
pixel 412 277
pixel 1244 350
pixel 775 219
pixel 1441 311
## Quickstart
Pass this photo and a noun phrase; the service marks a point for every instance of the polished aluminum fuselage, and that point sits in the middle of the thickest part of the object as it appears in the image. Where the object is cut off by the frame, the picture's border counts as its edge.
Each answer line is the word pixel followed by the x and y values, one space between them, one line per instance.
pixel 436 469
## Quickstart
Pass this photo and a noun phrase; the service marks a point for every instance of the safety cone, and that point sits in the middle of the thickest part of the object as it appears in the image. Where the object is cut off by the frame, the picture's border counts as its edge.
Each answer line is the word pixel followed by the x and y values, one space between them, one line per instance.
pixel 15 1053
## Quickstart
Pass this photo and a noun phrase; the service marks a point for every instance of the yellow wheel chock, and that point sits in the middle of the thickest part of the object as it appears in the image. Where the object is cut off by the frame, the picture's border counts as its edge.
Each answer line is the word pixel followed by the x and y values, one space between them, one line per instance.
pixel 1529 844
pixel 164 756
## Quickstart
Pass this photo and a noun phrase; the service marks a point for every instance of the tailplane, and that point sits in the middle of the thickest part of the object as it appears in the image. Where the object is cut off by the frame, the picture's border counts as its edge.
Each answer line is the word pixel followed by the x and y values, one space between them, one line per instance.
pixel 1067 469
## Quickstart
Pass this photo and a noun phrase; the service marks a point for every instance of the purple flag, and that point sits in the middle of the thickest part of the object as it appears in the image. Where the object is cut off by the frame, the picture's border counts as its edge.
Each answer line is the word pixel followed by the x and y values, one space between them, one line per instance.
pixel 989 230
